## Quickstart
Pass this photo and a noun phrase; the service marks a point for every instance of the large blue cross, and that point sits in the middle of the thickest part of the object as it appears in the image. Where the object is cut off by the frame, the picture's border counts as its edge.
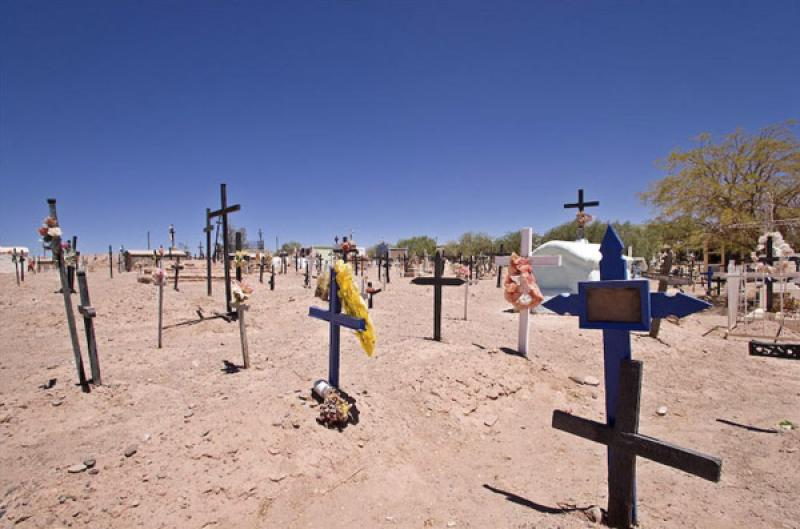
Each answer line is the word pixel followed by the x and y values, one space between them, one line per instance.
pixel 618 305
pixel 336 319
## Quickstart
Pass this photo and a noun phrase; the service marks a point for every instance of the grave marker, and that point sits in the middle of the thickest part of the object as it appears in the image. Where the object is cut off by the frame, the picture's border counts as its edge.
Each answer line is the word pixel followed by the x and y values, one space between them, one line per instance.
pixel 438 281
pixel 618 305
pixel 58 255
pixel 580 205
pixel 208 230
pixel 177 267
pixel 223 213
pixel 526 247
pixel 336 320
pixel 15 260
pixel 110 264
pixel 625 443
pixel 87 311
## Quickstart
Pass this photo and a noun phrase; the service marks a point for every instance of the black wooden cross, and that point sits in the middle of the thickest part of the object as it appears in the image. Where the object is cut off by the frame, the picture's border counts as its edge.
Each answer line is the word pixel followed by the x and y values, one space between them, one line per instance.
pixel 171 236
pixel 437 281
pixel 272 278
pixel 371 292
pixel 307 279
pixel 581 205
pixel 625 443
pixel 386 265
pixel 87 311
pixel 110 262
pixel 223 212
pixel 208 229
pixel 769 259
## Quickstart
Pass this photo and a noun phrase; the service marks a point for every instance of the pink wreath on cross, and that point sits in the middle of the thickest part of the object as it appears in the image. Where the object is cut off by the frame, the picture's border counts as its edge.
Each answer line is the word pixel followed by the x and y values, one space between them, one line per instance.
pixel 520 287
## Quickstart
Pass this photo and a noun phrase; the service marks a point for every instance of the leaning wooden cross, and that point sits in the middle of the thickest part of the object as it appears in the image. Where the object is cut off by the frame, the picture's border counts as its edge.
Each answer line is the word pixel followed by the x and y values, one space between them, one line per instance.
pixel 437 281
pixel 223 212
pixel 617 306
pixel 336 320
pixel 53 237
pixel 87 311
pixel 536 261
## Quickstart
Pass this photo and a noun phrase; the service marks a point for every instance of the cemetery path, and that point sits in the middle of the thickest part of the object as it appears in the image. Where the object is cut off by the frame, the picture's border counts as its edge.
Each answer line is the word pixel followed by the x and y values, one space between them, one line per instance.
pixel 451 434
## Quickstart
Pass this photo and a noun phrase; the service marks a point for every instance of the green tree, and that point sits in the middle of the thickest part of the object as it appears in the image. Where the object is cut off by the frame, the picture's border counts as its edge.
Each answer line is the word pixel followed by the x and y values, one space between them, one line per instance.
pixel 290 246
pixel 717 186
pixel 418 245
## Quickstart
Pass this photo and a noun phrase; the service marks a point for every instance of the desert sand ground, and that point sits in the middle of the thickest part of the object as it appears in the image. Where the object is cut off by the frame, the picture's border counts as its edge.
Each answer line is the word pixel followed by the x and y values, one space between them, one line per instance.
pixel 452 434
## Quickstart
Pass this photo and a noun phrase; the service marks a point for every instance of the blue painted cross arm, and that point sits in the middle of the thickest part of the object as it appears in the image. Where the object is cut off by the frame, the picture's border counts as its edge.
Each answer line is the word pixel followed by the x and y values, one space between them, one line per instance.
pixel 339 319
pixel 680 305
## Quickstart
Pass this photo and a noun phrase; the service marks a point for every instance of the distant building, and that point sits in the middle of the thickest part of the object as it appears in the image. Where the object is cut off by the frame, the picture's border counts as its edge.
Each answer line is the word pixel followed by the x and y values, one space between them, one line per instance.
pixel 135 258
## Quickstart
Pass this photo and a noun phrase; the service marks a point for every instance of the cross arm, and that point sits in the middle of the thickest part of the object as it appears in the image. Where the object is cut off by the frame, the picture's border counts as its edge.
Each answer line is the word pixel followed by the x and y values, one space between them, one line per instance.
pixel 223 211
pixel 433 281
pixel 680 305
pixel 690 461
pixel 87 312
pixel 588 429
pixel 338 319
pixel 564 304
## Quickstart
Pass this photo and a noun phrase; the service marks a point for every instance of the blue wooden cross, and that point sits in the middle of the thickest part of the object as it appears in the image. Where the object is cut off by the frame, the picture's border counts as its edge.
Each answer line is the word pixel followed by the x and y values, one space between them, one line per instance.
pixel 618 305
pixel 337 319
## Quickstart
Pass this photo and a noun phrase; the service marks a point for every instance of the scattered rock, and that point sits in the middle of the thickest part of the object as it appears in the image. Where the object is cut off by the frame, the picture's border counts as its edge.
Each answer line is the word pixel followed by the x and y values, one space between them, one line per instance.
pixel 94 471
pixel 278 477
pixel 274 451
pixel 57 402
pixel 89 462
pixel 77 469
pixel 594 514
pixel 490 420
pixel 188 414
pixel 587 380
pixel 131 450
pixel 662 410
pixel 451 524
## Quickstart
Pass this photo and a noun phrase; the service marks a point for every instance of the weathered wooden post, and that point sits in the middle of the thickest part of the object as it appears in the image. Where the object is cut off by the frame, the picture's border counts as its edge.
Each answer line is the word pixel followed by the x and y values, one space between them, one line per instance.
pixel 241 310
pixel 160 307
pixel 15 260
pixel 58 255
pixel 110 264
pixel 87 311
pixel 22 266
pixel 272 279
pixel 387 263
pixel 261 269
pixel 239 260
pixel 308 275
pixel 663 283
pixel 177 267
pixel 208 230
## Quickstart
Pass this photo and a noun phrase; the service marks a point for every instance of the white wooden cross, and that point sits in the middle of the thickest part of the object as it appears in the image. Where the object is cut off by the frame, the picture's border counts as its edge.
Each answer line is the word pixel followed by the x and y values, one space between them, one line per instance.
pixel 536 261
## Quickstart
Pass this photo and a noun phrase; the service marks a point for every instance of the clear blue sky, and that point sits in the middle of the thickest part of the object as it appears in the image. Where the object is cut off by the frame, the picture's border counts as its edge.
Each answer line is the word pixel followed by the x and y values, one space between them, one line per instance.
pixel 390 118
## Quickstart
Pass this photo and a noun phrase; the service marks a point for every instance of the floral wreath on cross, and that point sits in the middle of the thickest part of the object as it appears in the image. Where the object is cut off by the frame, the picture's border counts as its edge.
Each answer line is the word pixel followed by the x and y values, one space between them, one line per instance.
pixel 520 287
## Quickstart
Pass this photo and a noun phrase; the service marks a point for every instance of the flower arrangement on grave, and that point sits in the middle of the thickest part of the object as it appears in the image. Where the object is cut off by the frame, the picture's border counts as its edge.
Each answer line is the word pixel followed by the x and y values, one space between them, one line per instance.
pixel 353 305
pixel 462 271
pixel 240 291
pixel 159 277
pixel 583 218
pixel 239 259
pixel 49 229
pixel 780 250
pixel 519 286
pixel 334 412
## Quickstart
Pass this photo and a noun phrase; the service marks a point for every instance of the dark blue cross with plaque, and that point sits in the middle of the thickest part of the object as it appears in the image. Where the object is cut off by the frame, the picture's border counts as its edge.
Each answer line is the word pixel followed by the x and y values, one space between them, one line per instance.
pixel 336 319
pixel 618 305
